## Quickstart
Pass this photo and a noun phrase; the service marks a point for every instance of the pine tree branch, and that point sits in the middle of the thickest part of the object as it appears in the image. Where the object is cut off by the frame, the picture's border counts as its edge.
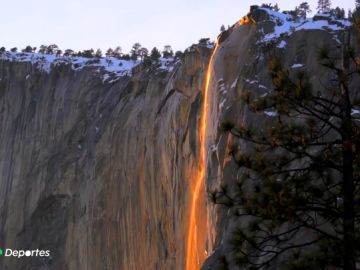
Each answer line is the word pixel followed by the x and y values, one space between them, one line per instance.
pixel 330 102
pixel 311 111
pixel 278 253
pixel 329 110
pixel 318 161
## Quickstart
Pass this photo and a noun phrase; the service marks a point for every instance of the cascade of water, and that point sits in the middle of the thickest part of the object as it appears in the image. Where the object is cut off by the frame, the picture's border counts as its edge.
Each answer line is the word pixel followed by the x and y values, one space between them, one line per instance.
pixel 195 253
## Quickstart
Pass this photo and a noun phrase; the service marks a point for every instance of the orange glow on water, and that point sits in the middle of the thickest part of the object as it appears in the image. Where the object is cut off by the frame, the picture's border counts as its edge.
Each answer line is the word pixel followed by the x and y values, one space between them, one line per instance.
pixel 246 20
pixel 197 231
pixel 195 254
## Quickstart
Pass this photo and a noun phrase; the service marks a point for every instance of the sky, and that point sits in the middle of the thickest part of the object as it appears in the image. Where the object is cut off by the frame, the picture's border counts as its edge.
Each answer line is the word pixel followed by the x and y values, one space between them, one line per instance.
pixel 85 24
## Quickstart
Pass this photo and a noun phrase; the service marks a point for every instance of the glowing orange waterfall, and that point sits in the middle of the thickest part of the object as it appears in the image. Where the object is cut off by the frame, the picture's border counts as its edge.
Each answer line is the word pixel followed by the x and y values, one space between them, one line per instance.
pixel 195 253
pixel 197 231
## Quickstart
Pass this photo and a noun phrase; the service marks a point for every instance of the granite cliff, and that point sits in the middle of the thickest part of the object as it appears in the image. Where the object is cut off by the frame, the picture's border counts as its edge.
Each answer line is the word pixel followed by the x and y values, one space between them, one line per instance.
pixel 98 168
pixel 241 64
pixel 98 171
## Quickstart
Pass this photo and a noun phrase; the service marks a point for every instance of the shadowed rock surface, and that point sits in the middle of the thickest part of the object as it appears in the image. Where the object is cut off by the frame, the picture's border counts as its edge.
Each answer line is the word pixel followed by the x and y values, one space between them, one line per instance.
pixel 241 63
pixel 97 172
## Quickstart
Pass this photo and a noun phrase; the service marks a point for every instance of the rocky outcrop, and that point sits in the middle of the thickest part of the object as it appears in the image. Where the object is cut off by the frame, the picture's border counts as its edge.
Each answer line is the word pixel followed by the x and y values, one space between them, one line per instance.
pixel 98 172
pixel 241 63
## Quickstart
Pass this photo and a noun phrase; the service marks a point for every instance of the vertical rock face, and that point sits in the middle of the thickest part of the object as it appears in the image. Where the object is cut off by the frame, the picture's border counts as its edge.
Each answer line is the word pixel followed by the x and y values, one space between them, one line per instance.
pixel 98 173
pixel 241 63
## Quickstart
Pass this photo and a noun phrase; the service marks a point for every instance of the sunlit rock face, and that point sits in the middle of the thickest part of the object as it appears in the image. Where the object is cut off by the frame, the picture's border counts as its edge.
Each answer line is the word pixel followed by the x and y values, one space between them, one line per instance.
pixel 98 172
pixel 241 63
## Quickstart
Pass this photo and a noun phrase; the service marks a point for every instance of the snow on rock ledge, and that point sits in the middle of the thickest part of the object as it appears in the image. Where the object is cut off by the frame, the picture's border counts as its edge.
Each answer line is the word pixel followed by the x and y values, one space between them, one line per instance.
pixel 286 25
pixel 110 69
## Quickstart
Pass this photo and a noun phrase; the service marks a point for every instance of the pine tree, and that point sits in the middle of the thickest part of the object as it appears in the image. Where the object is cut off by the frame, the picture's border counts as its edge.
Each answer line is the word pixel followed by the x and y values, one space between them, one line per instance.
pixel 339 13
pixel 98 53
pixel 59 53
pixel 271 6
pixel 350 14
pixel 69 52
pixel 204 41
pixel 117 53
pixel 109 53
pixel 155 54
pixel 143 53
pixel 304 9
pixel 168 51
pixel 126 57
pixel 179 54
pixel 28 49
pixel 324 6
pixel 88 53
pixel 135 51
pixel 357 4
pixel 300 175
pixel 42 49
pixel 52 49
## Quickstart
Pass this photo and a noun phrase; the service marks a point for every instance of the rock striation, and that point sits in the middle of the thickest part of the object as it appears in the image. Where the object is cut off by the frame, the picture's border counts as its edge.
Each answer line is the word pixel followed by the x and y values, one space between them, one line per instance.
pixel 98 171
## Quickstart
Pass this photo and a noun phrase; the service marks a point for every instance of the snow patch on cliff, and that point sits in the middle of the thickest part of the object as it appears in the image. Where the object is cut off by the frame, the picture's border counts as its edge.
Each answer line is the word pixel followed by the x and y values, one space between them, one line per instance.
pixel 166 64
pixel 297 66
pixel 110 69
pixel 282 44
pixel 271 113
pixel 233 85
pixel 45 62
pixel 286 25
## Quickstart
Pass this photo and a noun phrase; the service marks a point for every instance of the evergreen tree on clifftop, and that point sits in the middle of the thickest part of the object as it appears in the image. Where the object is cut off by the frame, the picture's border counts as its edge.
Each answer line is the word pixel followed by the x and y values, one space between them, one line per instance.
pixel 304 9
pixel 324 6
pixel 155 54
pixel 135 51
pixel 168 51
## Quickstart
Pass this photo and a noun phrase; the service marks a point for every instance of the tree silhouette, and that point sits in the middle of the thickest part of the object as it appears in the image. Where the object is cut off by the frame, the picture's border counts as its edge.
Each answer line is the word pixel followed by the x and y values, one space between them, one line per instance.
pixel 167 51
pixel 51 49
pixel 143 53
pixel 271 6
pixel 68 52
pixel 338 12
pixel 155 54
pixel 109 53
pixel 135 51
pixel 117 53
pixel 298 194
pixel 324 6
pixel 28 49
pixel 87 53
pixel 304 9
pixel 98 53
pixel 179 54
pixel 42 49
pixel 59 53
